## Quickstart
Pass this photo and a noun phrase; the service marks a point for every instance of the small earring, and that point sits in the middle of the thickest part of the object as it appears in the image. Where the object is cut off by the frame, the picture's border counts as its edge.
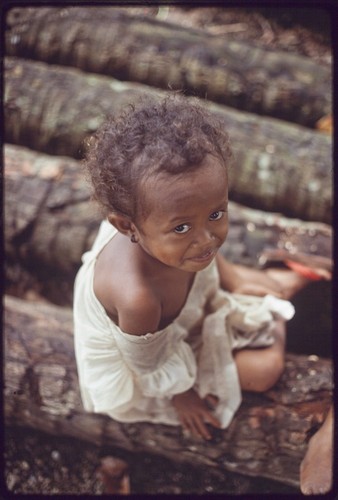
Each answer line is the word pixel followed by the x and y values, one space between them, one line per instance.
pixel 133 238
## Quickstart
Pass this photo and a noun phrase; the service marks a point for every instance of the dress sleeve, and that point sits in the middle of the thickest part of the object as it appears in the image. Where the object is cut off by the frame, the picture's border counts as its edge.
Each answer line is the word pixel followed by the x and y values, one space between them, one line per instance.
pixel 163 364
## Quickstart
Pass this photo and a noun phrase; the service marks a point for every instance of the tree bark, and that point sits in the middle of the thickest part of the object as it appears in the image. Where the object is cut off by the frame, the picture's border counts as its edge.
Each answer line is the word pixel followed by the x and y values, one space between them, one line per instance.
pixel 283 167
pixel 266 438
pixel 50 221
pixel 109 41
pixel 54 109
pixel 48 215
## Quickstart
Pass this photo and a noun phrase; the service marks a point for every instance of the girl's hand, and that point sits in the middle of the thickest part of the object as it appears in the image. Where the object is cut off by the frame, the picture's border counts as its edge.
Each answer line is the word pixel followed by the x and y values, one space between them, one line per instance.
pixel 194 412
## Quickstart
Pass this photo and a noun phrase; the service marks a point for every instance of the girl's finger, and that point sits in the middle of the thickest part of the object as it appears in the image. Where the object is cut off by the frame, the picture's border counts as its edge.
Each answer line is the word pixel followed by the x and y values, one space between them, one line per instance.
pixel 195 425
pixel 201 428
pixel 211 419
pixel 191 426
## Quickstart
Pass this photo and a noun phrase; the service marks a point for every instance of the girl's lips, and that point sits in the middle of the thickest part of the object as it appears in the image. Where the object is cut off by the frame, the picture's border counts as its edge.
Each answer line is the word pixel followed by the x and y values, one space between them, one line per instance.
pixel 208 255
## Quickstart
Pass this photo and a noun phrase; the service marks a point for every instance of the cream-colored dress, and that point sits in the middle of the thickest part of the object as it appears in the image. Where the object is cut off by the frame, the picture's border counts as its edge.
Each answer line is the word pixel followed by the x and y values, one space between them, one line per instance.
pixel 133 378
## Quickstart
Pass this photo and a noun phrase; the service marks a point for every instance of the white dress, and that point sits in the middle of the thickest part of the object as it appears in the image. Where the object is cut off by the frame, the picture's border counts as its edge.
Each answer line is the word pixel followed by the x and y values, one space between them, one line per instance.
pixel 133 378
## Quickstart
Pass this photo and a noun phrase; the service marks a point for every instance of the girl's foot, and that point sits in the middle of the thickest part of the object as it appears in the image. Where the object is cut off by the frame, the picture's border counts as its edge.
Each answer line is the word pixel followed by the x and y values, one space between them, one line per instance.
pixel 316 468
pixel 290 281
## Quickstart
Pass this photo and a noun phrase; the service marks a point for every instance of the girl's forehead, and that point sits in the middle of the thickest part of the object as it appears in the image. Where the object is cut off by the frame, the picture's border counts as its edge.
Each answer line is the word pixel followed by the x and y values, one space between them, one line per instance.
pixel 164 191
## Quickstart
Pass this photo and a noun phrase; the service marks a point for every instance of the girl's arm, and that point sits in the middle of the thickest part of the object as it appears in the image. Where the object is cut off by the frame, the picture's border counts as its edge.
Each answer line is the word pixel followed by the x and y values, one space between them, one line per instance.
pixel 241 279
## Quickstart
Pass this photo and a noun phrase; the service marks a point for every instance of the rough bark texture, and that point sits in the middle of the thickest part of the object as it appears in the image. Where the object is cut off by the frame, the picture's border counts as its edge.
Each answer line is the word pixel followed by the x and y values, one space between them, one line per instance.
pixel 48 217
pixel 54 109
pixel 266 438
pixel 109 41
pixel 50 222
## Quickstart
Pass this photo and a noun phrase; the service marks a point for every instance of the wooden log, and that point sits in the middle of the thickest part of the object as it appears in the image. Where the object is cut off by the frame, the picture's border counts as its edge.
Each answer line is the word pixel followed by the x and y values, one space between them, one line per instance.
pixel 268 24
pixel 50 221
pixel 48 217
pixel 254 26
pixel 53 109
pixel 283 167
pixel 135 48
pixel 266 438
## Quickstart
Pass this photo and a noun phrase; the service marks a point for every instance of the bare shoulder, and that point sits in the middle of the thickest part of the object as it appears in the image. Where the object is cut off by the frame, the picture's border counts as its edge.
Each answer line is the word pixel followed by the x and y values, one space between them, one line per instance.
pixel 125 293
pixel 139 310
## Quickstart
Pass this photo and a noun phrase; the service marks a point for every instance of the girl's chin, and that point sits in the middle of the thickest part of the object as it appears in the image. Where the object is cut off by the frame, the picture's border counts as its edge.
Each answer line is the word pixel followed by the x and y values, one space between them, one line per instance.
pixel 203 260
pixel 194 266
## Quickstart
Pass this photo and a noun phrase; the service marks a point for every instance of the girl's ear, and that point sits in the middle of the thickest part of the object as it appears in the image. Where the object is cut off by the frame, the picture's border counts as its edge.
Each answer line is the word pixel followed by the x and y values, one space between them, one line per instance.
pixel 122 223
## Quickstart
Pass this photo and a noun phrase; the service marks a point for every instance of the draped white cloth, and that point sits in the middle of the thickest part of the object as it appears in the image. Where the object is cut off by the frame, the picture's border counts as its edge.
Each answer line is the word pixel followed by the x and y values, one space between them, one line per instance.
pixel 133 378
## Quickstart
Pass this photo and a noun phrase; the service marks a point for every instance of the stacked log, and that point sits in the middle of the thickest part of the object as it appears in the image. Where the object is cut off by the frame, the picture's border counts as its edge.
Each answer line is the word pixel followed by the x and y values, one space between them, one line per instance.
pixel 50 221
pixel 281 168
pixel 45 111
pixel 267 438
pixel 135 48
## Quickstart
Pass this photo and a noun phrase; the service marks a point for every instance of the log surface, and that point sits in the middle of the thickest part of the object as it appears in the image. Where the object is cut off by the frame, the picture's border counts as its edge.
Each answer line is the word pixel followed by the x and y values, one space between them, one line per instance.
pixel 278 166
pixel 266 438
pixel 135 48
pixel 49 218
pixel 50 222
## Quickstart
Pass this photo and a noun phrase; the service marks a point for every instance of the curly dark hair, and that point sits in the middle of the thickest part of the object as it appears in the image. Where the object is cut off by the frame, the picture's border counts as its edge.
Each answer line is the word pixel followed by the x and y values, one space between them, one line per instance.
pixel 170 135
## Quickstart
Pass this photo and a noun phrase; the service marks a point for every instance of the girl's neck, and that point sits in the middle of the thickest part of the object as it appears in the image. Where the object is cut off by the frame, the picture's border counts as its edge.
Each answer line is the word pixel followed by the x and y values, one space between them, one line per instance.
pixel 153 266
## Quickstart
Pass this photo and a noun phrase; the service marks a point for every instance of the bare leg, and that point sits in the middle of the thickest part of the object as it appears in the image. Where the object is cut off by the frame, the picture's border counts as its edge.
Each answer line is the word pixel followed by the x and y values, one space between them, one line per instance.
pixel 290 281
pixel 316 468
pixel 283 282
pixel 259 369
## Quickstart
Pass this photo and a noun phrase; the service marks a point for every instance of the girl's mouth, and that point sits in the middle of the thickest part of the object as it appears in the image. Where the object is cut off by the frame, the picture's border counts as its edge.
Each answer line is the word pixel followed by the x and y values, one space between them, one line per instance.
pixel 208 255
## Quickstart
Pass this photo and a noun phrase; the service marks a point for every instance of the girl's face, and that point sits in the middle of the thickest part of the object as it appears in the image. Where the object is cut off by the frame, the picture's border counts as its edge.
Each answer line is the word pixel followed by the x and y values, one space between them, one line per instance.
pixel 188 219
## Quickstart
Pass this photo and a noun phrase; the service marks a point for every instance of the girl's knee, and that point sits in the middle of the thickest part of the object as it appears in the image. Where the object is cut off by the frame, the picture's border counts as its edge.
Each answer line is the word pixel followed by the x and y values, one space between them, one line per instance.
pixel 259 369
pixel 270 371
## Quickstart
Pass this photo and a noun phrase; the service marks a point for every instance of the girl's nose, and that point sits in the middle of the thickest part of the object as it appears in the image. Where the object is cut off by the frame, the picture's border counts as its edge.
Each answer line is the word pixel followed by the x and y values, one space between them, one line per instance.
pixel 203 237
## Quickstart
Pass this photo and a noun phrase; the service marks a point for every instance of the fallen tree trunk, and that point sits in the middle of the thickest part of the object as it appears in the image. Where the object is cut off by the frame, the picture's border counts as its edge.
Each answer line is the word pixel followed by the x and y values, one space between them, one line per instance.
pixel 50 221
pixel 266 438
pixel 135 48
pixel 45 110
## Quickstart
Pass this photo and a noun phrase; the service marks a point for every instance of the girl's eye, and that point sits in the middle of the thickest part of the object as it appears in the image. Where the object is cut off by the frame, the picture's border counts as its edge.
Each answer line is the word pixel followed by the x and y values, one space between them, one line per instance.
pixel 216 215
pixel 182 228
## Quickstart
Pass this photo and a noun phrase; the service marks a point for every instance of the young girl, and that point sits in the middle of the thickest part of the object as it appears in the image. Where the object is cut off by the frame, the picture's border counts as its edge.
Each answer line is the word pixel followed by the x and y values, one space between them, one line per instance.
pixel 160 335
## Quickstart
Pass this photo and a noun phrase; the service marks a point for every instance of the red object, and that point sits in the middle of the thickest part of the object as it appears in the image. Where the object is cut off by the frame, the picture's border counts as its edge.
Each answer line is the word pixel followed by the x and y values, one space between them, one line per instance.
pixel 303 270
